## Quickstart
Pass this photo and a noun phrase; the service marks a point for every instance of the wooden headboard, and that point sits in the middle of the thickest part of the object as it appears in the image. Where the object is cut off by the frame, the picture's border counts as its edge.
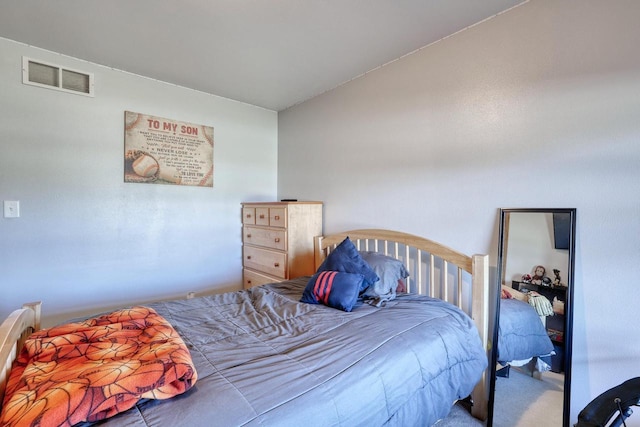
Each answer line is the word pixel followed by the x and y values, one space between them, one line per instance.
pixel 435 270
pixel 13 332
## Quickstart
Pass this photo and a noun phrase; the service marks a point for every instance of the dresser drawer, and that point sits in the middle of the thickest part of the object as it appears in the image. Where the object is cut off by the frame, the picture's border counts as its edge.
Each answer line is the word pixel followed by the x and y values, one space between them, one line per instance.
pixel 267 237
pixel 249 216
pixel 262 216
pixel 252 278
pixel 277 217
pixel 266 261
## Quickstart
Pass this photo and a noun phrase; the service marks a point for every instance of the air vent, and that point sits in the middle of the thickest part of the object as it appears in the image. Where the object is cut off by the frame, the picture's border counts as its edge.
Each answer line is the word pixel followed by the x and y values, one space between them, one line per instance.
pixel 43 74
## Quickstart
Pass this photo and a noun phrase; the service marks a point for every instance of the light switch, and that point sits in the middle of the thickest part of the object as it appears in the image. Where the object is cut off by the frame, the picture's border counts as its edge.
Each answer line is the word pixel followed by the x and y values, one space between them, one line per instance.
pixel 11 209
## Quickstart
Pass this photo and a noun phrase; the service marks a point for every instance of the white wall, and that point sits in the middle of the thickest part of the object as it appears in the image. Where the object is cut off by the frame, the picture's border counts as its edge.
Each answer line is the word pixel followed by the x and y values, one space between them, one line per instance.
pixel 537 107
pixel 87 241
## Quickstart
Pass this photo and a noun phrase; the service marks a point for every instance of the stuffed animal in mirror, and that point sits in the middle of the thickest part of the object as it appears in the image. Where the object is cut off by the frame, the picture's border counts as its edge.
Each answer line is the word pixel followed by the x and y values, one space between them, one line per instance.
pixel 538 275
pixel 557 281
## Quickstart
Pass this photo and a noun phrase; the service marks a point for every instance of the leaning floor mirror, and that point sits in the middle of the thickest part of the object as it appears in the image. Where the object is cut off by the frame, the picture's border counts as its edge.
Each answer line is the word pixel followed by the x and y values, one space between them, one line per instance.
pixel 531 355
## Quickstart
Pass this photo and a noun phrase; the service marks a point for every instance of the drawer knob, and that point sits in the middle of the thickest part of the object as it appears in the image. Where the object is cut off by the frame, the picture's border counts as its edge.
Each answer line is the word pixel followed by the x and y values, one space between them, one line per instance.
pixel 277 240
pixel 249 236
pixel 248 215
pixel 276 264
pixel 248 256
pixel 261 216
pixel 277 217
pixel 248 282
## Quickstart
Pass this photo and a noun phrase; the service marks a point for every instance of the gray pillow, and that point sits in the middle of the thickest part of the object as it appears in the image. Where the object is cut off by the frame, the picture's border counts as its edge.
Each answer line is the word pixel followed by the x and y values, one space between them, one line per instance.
pixel 388 269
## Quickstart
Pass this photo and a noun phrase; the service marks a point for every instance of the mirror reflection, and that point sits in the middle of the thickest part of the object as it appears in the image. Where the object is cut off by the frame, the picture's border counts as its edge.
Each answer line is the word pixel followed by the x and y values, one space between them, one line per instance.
pixel 533 317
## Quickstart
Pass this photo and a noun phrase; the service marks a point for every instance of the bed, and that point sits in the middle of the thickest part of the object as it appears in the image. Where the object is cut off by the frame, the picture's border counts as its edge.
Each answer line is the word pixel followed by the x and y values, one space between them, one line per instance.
pixel 263 357
pixel 522 338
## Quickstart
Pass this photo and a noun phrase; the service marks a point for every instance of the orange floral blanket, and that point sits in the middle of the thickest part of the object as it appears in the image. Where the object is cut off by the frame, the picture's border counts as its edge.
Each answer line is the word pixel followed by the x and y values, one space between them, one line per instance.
pixel 91 370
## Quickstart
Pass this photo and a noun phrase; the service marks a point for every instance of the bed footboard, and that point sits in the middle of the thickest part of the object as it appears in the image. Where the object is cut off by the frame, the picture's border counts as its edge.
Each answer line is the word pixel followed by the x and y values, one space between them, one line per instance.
pixel 13 332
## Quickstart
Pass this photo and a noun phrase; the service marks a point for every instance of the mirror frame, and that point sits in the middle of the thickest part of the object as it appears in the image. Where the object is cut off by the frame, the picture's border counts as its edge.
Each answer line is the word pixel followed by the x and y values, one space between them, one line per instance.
pixel 568 336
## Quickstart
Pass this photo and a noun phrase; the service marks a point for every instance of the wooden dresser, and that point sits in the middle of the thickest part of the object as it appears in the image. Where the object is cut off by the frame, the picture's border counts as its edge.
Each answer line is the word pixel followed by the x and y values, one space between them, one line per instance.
pixel 277 240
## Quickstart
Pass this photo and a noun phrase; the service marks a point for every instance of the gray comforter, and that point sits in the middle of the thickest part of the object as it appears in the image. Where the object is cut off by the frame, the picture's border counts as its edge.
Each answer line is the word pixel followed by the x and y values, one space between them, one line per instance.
pixel 263 358
pixel 521 334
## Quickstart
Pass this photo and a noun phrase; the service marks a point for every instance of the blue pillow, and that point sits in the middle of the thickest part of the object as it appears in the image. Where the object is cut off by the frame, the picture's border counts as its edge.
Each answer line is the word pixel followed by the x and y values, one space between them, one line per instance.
pixel 346 258
pixel 334 289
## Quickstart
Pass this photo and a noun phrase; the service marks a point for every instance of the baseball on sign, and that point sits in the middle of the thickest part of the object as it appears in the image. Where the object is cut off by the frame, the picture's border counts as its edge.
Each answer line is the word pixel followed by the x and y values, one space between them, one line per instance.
pixel 145 165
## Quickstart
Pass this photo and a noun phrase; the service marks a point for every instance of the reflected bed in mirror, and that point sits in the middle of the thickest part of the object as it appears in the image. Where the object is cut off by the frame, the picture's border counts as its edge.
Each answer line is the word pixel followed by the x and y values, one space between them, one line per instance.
pixel 531 381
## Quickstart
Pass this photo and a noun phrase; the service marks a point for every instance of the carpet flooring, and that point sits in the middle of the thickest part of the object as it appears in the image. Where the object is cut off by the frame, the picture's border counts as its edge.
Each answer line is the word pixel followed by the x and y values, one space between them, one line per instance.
pixel 521 401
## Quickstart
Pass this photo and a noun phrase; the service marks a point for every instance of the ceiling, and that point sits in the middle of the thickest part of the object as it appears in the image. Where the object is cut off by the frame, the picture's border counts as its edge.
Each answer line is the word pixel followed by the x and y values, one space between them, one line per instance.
pixel 269 53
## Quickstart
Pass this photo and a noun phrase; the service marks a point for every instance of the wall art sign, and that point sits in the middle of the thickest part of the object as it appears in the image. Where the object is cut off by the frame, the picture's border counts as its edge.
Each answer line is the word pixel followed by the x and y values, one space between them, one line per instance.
pixel 165 151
